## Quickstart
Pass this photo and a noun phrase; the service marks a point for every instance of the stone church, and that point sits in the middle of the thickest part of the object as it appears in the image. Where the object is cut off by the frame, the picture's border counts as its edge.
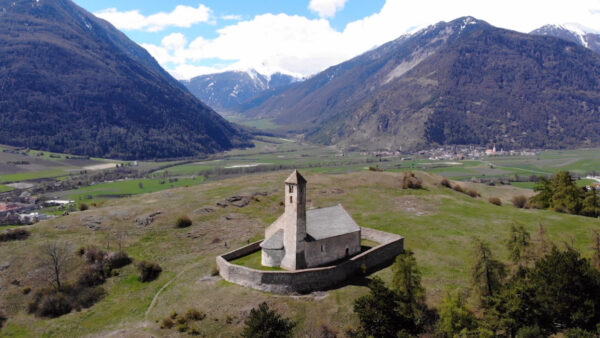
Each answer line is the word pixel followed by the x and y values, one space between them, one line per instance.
pixel 301 239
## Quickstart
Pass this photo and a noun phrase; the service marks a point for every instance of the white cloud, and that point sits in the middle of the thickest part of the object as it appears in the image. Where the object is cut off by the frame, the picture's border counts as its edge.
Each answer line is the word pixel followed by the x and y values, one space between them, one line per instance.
pixel 326 8
pixel 232 17
pixel 299 45
pixel 181 16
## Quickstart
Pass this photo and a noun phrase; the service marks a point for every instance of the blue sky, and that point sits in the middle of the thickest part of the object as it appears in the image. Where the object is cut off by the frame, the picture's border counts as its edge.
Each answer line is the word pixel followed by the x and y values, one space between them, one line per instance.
pixel 303 37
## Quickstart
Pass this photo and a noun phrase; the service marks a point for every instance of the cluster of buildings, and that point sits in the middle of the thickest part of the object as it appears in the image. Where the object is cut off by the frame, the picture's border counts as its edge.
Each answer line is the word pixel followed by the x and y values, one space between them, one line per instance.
pixel 457 153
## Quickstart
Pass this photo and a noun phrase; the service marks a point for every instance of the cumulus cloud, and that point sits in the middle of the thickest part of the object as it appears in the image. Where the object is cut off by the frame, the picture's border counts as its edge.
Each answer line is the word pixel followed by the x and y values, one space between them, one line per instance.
pixel 298 45
pixel 326 8
pixel 181 16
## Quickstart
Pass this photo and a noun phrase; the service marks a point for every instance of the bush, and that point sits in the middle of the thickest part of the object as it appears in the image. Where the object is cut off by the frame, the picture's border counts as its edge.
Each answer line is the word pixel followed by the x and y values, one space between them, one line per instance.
pixel 92 276
pixel 183 222
pixel 194 315
pixel 458 188
pixel 214 271
pixel 445 183
pixel 14 235
pixel 94 256
pixel 264 322
pixel 83 207
pixel 148 271
pixel 473 193
pixel 117 260
pixel 167 323
pixel 26 290
pixel 49 303
pixel 519 201
pixel 495 201
pixel 410 181
pixel 87 297
pixel 529 332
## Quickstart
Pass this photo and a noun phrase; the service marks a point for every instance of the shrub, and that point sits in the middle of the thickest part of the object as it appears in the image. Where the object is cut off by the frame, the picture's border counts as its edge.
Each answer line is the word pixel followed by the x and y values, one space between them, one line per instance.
pixel 183 222
pixel 14 235
pixel 118 260
pixel 264 322
pixel 458 188
pixel 49 303
pixel 92 276
pixel 195 315
pixel 148 271
pixel 445 183
pixel 87 297
pixel 529 332
pixel 26 290
pixel 371 168
pixel 167 323
pixel 495 201
pixel 214 271
pixel 519 201
pixel 94 256
pixel 83 207
pixel 473 193
pixel 182 327
pixel 410 181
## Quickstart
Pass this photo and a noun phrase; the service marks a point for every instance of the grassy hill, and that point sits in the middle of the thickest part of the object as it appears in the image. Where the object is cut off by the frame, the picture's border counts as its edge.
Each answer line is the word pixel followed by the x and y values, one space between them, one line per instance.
pixel 438 224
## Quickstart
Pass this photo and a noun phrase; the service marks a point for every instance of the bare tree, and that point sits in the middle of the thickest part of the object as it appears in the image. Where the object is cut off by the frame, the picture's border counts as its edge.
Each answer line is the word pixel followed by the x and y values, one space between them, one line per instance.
pixel 56 257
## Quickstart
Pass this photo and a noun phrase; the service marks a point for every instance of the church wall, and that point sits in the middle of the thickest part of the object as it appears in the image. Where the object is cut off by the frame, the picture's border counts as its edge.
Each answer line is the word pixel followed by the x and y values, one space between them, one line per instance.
pixel 312 279
pixel 271 257
pixel 331 249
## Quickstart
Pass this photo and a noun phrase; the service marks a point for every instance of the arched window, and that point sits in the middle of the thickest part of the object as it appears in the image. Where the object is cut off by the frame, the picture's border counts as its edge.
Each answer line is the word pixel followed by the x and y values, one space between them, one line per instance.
pixel 291 188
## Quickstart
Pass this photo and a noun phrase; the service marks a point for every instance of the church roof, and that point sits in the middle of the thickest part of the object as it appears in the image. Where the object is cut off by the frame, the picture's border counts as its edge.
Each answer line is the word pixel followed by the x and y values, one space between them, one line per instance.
pixel 275 242
pixel 329 222
pixel 295 178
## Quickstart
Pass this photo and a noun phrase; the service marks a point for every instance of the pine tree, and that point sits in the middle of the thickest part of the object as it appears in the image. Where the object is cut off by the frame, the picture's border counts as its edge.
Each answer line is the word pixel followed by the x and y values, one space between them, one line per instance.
pixel 518 245
pixel 487 273
pixel 266 323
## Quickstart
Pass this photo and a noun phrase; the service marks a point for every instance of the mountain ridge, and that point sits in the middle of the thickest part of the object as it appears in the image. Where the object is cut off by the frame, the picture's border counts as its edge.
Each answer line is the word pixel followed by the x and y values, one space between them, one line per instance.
pixel 229 91
pixel 458 82
pixel 73 83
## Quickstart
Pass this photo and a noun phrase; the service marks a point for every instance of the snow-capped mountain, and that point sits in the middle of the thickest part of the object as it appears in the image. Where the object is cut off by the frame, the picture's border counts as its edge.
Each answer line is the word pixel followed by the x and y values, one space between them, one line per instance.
pixel 572 32
pixel 226 92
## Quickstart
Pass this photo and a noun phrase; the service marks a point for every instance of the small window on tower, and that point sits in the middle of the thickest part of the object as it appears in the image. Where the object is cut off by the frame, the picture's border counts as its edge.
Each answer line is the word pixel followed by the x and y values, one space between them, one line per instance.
pixel 291 199
pixel 291 188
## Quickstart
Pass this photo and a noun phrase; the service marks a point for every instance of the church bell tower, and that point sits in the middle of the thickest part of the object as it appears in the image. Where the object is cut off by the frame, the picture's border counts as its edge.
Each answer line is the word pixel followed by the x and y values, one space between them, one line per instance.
pixel 294 234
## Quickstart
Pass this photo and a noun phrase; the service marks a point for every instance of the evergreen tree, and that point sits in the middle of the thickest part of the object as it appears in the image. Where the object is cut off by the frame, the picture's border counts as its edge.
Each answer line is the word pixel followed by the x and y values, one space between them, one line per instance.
pixel 566 197
pixel 591 204
pixel 487 273
pixel 518 245
pixel 407 285
pixel 596 250
pixel 455 316
pixel 378 312
pixel 266 323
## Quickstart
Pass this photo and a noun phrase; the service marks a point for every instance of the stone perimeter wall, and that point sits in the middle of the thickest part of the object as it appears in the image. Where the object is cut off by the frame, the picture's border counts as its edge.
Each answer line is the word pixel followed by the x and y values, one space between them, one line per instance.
pixel 314 279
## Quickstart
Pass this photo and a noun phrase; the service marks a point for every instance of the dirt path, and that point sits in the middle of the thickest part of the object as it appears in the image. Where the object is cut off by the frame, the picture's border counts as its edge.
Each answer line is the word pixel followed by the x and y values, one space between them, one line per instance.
pixel 100 166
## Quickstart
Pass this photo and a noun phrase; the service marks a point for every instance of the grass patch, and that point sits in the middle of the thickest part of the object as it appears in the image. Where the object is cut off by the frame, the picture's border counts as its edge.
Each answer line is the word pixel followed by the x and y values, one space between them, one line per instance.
pixel 33 175
pixel 128 188
pixel 4 188
pixel 253 261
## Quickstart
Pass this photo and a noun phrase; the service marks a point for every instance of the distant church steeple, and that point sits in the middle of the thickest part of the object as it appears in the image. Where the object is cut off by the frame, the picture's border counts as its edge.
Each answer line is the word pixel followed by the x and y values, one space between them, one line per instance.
pixel 294 234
